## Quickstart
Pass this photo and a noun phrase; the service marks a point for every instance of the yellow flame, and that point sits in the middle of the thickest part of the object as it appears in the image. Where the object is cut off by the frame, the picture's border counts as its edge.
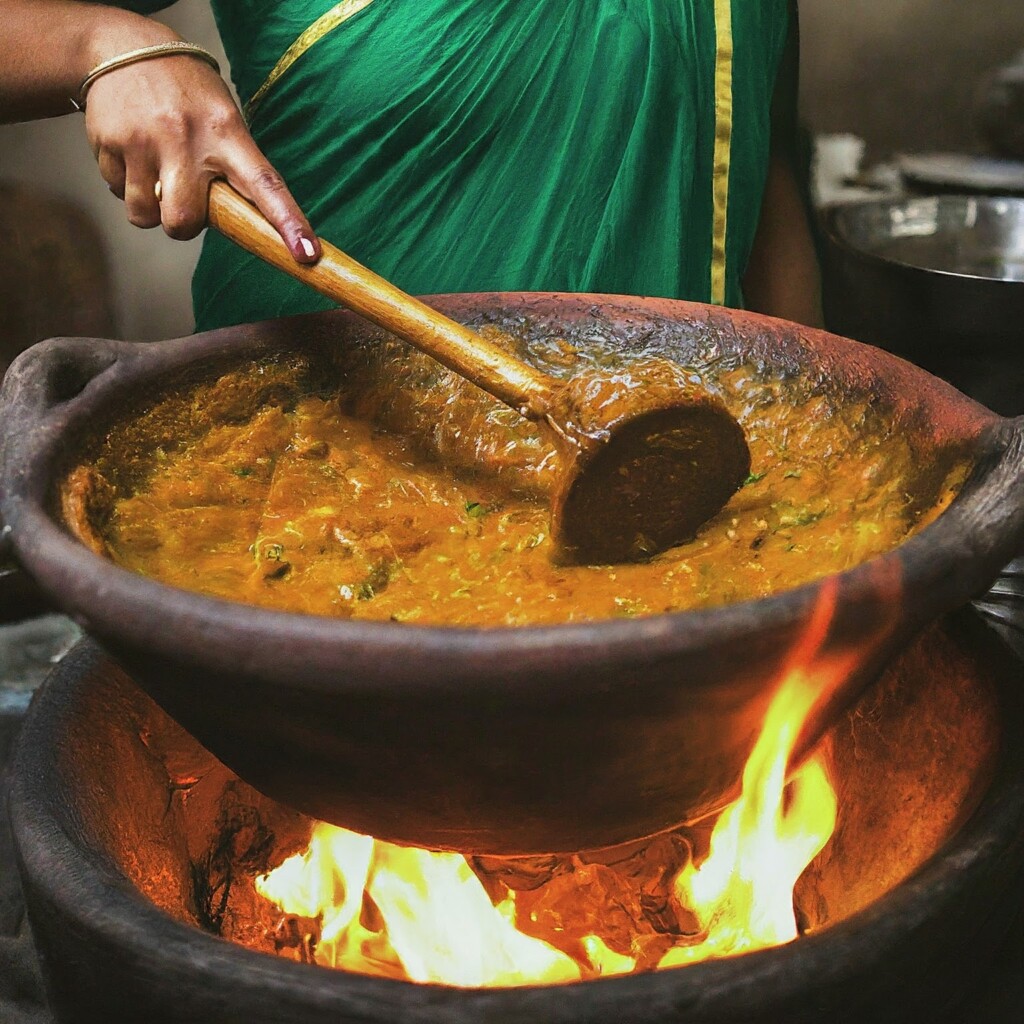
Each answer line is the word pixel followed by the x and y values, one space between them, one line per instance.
pixel 432 920
pixel 407 913
pixel 742 894
pixel 605 961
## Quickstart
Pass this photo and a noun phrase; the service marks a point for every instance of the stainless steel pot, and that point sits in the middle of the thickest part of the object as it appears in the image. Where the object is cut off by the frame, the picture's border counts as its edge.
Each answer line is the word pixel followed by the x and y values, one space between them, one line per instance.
pixel 939 281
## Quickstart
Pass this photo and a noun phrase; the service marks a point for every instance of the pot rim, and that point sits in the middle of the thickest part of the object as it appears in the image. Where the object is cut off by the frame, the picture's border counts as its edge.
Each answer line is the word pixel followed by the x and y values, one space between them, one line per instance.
pixel 285 646
pixel 97 897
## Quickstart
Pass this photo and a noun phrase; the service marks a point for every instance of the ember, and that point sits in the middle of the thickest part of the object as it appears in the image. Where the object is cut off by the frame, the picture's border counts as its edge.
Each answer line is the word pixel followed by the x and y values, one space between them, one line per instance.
pixel 678 898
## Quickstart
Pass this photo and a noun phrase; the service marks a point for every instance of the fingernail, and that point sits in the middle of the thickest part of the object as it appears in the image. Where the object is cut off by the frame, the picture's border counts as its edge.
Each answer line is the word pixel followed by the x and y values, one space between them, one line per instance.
pixel 307 247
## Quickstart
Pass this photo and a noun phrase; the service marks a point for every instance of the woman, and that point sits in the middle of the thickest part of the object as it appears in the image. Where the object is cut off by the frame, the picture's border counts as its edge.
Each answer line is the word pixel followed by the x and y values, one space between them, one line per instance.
pixel 452 145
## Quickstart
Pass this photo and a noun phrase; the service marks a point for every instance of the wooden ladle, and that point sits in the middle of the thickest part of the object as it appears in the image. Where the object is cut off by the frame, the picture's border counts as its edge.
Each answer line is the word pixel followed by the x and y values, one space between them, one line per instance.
pixel 648 457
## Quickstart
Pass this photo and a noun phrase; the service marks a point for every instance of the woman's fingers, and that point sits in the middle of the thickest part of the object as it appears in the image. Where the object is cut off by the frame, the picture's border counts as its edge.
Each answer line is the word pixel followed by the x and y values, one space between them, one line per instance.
pixel 251 174
pixel 183 197
pixel 113 171
pixel 140 198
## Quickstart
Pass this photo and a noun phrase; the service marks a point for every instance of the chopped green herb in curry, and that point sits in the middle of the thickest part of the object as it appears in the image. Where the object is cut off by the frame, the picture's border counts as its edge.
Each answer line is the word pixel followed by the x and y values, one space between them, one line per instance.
pixel 299 505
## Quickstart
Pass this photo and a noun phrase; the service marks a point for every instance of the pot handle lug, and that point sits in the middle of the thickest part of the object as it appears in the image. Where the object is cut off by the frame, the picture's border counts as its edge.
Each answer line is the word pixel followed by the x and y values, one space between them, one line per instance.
pixel 57 371
pixel 53 373
pixel 42 379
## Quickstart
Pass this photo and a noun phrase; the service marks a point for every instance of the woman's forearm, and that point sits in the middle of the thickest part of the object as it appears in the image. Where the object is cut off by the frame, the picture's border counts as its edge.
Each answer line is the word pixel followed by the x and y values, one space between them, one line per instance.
pixel 49 46
pixel 782 278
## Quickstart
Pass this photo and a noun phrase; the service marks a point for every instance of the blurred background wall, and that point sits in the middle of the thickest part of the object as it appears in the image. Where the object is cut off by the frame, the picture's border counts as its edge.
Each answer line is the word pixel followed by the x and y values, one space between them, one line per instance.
pixel 899 73
pixel 903 74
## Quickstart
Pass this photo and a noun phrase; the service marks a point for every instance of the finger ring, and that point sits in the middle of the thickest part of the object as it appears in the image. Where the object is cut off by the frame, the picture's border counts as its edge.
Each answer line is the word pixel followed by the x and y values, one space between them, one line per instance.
pixel 158 190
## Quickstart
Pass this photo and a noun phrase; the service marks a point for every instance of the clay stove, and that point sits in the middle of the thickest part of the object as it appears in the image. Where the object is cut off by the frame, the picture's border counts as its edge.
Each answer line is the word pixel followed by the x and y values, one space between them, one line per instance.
pixel 139 854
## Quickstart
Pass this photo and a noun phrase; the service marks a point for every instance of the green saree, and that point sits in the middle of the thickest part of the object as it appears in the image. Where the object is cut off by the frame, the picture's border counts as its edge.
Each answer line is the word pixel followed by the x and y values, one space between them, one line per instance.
pixel 470 145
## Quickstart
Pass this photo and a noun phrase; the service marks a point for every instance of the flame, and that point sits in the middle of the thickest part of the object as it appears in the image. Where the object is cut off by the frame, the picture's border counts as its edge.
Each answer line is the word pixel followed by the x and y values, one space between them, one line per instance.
pixel 742 894
pixel 429 917
pixel 407 913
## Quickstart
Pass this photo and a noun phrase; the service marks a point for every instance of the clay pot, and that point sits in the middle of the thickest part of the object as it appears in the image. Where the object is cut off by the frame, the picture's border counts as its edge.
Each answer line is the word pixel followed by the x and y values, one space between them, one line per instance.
pixel 525 740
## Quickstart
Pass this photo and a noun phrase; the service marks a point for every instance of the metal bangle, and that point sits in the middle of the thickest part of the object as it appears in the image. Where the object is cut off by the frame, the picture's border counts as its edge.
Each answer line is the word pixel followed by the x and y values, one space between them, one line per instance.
pixel 179 49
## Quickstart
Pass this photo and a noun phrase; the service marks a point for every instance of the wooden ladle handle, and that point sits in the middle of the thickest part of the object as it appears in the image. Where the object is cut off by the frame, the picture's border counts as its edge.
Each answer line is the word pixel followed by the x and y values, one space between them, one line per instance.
pixel 342 279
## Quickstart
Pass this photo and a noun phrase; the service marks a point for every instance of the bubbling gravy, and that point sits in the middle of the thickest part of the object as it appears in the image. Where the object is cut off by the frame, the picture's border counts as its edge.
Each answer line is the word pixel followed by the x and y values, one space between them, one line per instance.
pixel 415 498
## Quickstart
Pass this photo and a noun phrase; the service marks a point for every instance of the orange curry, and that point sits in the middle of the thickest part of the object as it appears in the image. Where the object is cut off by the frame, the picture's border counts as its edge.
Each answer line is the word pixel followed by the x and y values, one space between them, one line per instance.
pixel 436 511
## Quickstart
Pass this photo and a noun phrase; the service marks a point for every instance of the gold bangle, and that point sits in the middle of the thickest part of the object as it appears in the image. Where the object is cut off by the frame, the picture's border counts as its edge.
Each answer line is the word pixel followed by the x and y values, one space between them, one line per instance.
pixel 179 49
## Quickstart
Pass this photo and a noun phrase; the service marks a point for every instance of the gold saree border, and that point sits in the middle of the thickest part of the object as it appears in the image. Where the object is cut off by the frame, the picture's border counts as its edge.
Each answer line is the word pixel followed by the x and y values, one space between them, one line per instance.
pixel 723 146
pixel 323 26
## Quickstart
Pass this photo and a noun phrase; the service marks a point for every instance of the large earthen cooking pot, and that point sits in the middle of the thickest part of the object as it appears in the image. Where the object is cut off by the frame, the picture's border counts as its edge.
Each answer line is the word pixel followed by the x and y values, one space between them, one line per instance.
pixel 503 740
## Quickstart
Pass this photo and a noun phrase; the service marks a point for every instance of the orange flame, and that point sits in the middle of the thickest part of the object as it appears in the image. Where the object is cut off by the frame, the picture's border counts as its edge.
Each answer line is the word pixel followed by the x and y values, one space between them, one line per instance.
pixel 742 894
pixel 427 917
pixel 407 913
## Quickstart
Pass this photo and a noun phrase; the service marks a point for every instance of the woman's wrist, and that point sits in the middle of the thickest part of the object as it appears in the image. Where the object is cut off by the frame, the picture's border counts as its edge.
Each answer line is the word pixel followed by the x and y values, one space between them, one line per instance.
pixel 143 53
pixel 39 79
pixel 115 32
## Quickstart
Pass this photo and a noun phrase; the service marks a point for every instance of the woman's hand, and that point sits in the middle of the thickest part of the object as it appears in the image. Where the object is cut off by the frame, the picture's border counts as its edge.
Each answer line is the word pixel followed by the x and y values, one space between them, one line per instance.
pixel 167 119
pixel 171 120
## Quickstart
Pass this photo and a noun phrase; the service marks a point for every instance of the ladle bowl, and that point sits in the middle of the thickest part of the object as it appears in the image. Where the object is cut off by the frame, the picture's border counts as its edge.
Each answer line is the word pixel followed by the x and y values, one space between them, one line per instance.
pixel 502 740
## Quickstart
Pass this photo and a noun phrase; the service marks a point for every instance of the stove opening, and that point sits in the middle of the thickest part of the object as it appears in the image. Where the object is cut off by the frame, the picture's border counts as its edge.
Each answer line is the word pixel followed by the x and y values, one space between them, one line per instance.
pixel 889 783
